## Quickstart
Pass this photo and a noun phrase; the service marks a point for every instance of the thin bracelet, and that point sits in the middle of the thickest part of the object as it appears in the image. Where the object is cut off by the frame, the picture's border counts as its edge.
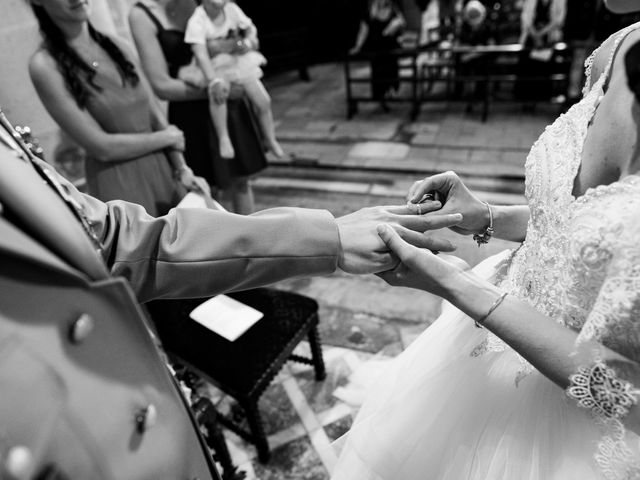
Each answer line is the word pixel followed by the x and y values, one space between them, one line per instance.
pixel 484 237
pixel 495 305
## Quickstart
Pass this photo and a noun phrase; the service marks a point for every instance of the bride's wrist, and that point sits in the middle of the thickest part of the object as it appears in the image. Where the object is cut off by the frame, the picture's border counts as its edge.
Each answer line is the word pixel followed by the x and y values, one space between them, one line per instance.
pixel 471 294
pixel 483 217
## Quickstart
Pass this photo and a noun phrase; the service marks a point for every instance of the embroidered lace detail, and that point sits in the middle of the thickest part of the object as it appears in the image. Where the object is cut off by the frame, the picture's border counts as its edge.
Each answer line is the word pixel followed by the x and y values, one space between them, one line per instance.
pixel 614 457
pixel 588 65
pixel 598 388
pixel 609 399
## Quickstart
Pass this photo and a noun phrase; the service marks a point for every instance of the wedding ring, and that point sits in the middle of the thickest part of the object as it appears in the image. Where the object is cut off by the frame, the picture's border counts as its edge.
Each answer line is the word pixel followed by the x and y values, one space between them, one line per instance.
pixel 419 208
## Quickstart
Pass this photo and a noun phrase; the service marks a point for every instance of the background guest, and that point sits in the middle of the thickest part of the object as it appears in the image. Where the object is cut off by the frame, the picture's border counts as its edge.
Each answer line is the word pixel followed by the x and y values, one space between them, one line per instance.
pixel 381 24
pixel 90 85
pixel 158 28
pixel 224 42
pixel 542 23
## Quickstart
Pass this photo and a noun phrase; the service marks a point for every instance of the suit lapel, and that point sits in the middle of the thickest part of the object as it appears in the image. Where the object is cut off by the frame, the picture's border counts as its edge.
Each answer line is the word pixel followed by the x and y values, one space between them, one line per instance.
pixel 44 215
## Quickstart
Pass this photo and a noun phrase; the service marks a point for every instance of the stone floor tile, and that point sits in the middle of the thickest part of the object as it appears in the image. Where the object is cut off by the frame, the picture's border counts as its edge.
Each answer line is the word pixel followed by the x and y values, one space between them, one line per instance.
pixel 422 127
pixel 339 427
pixel 296 460
pixel 428 138
pixel 453 154
pixel 385 150
pixel 320 125
pixel 322 445
pixel 319 395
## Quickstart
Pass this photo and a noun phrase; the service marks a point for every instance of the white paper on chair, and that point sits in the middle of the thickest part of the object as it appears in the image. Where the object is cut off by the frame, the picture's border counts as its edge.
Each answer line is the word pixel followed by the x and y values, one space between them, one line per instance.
pixel 196 200
pixel 192 200
pixel 225 316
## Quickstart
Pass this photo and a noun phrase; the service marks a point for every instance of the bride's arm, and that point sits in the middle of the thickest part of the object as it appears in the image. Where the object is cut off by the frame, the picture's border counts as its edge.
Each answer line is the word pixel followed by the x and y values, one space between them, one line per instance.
pixel 550 347
pixel 509 222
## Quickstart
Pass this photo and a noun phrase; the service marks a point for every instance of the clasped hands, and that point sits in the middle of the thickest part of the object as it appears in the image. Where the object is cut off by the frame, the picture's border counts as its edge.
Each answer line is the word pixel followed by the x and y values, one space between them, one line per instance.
pixel 402 252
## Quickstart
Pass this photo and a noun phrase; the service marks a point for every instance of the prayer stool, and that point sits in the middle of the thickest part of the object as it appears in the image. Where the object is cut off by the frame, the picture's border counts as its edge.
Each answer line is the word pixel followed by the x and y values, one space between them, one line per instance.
pixel 244 368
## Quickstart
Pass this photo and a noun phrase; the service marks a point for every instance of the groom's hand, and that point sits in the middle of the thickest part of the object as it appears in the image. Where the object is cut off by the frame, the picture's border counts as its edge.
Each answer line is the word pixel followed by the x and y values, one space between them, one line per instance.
pixel 362 249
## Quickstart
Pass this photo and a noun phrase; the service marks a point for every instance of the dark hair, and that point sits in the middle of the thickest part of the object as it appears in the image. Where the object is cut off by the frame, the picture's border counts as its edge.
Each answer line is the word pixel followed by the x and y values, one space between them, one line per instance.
pixel 632 65
pixel 78 74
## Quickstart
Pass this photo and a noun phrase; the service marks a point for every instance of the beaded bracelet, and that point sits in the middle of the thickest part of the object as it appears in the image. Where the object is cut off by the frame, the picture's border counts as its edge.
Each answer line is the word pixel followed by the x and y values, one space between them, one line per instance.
pixel 495 305
pixel 484 237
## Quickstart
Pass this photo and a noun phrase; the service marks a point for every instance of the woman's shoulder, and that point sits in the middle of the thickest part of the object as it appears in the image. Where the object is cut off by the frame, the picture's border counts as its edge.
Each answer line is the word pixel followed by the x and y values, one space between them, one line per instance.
pixel 41 63
pixel 619 41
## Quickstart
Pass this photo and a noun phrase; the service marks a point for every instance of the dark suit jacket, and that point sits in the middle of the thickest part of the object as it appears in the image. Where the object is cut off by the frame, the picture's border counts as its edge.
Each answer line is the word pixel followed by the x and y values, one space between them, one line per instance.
pixel 79 367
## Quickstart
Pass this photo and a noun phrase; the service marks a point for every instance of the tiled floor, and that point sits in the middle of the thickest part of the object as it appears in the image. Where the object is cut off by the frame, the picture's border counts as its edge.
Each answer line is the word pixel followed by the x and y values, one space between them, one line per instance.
pixel 302 419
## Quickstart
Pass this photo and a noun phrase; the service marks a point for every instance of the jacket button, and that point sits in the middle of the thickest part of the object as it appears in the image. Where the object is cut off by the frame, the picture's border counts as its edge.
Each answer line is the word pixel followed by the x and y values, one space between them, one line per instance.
pixel 146 418
pixel 18 462
pixel 81 328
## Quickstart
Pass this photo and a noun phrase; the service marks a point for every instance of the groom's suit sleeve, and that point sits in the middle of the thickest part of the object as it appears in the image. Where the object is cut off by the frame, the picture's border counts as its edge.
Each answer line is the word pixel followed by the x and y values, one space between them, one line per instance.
pixel 196 252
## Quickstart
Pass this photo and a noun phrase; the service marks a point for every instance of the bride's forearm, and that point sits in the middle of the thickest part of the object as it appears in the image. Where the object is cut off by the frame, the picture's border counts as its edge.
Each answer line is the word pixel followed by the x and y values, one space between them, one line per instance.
pixel 545 343
pixel 510 221
pixel 548 345
pixel 551 347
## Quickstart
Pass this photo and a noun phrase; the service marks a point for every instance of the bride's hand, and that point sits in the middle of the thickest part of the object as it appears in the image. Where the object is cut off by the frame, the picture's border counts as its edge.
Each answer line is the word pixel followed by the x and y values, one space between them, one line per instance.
pixel 455 198
pixel 420 268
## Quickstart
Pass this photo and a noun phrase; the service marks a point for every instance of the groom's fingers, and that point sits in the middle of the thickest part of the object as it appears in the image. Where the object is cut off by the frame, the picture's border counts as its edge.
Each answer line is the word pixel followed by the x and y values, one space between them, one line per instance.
pixel 434 221
pixel 422 240
pixel 412 209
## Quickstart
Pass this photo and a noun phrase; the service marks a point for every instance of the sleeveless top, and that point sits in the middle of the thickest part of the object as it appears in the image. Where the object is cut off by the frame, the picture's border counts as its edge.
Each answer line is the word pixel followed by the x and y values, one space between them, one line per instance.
pixel 176 52
pixel 580 265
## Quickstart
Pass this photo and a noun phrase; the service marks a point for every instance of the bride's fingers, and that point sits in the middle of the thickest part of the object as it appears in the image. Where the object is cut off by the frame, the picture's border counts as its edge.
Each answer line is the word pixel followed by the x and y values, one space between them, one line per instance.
pixel 406 253
pixel 422 240
pixel 412 189
pixel 440 182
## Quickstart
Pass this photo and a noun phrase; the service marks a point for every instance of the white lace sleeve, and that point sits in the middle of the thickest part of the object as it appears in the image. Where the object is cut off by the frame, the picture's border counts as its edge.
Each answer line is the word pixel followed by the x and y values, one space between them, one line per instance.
pixel 588 66
pixel 608 347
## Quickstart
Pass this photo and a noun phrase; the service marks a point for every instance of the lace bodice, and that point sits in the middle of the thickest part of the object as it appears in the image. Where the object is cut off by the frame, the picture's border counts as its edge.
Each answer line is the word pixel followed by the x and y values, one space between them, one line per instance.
pixel 580 263
pixel 560 267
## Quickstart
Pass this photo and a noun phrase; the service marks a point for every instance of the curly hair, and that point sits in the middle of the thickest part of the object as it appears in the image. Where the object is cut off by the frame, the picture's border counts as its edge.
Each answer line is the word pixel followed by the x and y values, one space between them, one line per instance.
pixel 78 74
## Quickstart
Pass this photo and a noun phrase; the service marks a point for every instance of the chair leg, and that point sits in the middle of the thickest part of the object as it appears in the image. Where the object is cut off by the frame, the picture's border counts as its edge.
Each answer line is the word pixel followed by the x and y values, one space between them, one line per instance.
pixel 316 353
pixel 257 430
pixel 208 417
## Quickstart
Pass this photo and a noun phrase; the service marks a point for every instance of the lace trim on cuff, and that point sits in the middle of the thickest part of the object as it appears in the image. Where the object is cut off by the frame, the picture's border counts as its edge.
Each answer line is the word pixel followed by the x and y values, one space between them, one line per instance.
pixel 609 399
pixel 599 389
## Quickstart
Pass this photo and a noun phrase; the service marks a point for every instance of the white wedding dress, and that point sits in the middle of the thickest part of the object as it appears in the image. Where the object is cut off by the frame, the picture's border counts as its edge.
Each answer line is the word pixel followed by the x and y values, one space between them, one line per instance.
pixel 459 404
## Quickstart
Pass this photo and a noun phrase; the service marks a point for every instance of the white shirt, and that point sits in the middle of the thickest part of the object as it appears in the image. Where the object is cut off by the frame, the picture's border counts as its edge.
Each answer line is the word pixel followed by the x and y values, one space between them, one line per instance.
pixel 200 28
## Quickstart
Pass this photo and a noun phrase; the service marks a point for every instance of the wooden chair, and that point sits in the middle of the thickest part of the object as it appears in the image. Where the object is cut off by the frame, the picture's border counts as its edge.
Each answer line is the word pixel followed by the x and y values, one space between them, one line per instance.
pixel 244 368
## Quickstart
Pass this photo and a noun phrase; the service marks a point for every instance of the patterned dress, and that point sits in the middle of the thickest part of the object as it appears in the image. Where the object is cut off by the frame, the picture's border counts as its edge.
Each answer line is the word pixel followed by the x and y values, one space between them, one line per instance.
pixel 461 404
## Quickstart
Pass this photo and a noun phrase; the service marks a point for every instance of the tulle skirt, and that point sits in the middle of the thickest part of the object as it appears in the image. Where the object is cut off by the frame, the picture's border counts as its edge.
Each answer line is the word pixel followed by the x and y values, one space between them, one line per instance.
pixel 233 68
pixel 439 412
